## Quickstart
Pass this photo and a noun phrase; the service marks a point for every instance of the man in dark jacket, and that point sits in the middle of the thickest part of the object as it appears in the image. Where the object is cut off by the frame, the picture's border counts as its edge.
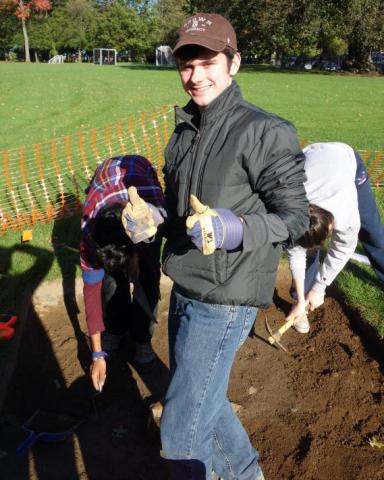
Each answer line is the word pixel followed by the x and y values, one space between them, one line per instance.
pixel 245 166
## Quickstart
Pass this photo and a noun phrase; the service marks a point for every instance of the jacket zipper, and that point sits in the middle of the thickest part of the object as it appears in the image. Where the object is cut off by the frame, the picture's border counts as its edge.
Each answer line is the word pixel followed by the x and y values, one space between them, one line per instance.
pixel 199 178
pixel 194 149
pixel 199 184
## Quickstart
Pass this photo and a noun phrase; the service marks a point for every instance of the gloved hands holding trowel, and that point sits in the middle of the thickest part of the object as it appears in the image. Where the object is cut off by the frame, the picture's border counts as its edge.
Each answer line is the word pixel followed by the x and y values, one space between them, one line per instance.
pixel 140 219
pixel 211 229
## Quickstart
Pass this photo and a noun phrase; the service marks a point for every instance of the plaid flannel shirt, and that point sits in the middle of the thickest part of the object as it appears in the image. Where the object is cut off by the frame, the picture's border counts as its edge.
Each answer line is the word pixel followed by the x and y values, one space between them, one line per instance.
pixel 109 185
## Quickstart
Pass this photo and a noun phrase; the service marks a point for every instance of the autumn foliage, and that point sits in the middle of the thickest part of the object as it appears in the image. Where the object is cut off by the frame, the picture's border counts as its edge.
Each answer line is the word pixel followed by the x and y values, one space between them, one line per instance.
pixel 23 9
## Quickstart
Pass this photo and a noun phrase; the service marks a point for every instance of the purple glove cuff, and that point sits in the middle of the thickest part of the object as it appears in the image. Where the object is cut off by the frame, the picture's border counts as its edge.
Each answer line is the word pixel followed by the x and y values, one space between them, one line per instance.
pixel 228 229
pixel 233 229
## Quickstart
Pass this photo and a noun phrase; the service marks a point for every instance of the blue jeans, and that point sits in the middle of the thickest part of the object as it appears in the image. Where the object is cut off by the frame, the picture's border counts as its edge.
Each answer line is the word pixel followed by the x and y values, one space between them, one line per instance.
pixel 199 430
pixel 371 234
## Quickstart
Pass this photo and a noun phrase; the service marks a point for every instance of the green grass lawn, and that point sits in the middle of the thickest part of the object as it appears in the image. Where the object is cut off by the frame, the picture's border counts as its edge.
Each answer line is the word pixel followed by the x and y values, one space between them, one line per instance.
pixel 39 102
pixel 42 101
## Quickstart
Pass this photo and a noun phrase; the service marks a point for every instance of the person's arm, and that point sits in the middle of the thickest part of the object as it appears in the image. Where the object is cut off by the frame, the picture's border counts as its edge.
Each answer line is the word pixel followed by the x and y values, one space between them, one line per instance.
pixel 93 306
pixel 297 261
pixel 340 250
pixel 277 174
pixel 98 367
pixel 92 279
pixel 280 185
pixel 94 319
pixel 299 308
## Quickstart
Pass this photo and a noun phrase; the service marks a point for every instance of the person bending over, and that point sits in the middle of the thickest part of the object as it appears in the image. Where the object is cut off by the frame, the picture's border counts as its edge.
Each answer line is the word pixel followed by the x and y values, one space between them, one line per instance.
pixel 342 206
pixel 121 273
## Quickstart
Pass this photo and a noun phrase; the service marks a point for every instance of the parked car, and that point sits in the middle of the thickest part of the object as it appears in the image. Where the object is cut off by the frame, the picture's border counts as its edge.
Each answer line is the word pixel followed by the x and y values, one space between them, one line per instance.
pixel 329 66
pixel 378 60
pixel 288 62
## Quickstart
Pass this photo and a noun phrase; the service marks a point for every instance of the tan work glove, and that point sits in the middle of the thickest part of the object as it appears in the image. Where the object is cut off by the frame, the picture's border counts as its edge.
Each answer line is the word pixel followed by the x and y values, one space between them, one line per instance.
pixel 203 215
pixel 140 219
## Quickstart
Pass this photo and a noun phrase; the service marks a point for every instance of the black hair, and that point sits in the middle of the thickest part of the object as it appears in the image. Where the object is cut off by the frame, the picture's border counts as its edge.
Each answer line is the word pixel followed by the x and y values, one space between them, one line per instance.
pixel 319 223
pixel 190 52
pixel 112 247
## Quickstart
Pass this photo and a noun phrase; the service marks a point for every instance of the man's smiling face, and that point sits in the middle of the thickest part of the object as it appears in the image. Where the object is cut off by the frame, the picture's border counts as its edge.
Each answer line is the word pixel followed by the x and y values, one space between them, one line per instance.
pixel 205 77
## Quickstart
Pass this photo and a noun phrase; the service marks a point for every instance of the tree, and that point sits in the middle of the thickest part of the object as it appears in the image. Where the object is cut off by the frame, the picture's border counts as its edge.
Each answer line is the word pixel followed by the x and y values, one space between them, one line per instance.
pixel 168 14
pixel 365 19
pixel 22 10
pixel 8 29
pixel 337 47
pixel 41 39
pixel 120 26
pixel 73 25
pixel 307 27
pixel 263 24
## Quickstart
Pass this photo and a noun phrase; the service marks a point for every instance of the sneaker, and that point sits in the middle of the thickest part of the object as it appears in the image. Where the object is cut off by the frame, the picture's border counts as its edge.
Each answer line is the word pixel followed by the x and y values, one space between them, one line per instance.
pixel 110 342
pixel 301 324
pixel 144 354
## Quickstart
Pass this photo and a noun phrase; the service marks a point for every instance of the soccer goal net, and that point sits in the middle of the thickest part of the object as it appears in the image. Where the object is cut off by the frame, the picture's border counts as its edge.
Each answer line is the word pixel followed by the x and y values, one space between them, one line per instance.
pixel 164 56
pixel 104 56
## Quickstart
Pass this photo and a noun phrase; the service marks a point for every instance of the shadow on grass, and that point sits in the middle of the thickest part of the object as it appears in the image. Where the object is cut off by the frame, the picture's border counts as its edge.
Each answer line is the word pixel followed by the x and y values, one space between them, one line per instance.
pixel 65 241
pixel 16 291
pixel 147 67
pixel 17 288
pixel 364 275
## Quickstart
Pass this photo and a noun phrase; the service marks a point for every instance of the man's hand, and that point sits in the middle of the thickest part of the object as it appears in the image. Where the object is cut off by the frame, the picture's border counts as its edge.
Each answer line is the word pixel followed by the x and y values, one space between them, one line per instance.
pixel 140 219
pixel 98 373
pixel 314 299
pixel 211 229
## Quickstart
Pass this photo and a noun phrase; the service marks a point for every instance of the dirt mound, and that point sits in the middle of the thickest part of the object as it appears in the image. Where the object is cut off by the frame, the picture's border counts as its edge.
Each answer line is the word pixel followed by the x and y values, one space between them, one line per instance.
pixel 310 412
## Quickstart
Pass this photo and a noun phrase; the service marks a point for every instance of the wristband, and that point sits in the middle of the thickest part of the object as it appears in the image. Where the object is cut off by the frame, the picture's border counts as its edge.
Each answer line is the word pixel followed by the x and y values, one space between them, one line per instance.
pixel 97 355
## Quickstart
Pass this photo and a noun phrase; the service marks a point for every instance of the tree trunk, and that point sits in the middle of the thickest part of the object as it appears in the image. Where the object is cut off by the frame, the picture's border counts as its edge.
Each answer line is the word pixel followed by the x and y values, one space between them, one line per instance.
pixel 79 55
pixel 36 56
pixel 25 33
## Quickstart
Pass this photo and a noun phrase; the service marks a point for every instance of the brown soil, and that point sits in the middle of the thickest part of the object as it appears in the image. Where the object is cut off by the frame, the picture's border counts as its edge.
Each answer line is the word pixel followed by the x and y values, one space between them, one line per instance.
pixel 310 412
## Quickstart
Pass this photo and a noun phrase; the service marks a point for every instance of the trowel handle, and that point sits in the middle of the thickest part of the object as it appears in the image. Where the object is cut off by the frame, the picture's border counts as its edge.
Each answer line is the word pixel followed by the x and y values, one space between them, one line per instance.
pixel 278 334
pixel 32 438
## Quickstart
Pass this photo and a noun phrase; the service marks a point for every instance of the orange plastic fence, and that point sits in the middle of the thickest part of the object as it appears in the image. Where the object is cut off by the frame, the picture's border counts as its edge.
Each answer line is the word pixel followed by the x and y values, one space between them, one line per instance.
pixel 47 180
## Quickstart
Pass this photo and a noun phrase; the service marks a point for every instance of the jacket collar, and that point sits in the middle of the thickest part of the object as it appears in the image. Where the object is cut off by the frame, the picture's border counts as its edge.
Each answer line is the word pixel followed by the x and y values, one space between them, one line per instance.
pixel 224 102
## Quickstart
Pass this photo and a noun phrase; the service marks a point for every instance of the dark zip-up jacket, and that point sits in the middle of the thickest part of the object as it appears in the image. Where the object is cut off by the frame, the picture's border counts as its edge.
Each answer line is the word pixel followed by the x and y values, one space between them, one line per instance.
pixel 237 156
